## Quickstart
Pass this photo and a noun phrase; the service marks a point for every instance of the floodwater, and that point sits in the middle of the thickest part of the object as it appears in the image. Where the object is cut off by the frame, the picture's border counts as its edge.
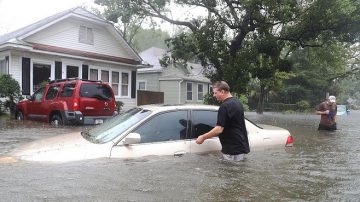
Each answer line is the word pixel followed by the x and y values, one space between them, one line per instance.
pixel 323 166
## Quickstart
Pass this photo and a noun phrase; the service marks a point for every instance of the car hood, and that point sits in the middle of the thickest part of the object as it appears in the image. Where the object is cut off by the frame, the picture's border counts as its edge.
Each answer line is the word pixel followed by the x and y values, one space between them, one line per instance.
pixel 62 148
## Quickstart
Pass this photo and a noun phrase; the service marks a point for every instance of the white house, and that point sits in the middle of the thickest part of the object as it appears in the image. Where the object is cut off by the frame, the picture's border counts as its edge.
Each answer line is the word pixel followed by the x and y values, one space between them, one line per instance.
pixel 180 84
pixel 73 43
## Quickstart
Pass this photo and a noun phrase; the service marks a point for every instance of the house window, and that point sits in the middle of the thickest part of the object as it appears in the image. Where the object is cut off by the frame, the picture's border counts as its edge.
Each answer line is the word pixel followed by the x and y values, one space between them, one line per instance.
pixel 142 85
pixel 41 74
pixel 189 91
pixel 124 84
pixel 4 65
pixel 200 91
pixel 94 74
pixel 86 35
pixel 105 76
pixel 115 82
pixel 72 71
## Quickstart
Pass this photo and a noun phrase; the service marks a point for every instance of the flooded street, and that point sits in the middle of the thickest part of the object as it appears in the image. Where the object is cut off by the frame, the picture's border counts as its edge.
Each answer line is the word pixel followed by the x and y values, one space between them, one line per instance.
pixel 323 166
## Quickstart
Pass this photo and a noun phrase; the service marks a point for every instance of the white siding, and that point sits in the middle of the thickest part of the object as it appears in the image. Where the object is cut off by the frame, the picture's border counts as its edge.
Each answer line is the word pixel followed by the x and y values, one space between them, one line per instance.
pixel 66 34
pixel 128 103
pixel 171 91
pixel 15 64
pixel 152 80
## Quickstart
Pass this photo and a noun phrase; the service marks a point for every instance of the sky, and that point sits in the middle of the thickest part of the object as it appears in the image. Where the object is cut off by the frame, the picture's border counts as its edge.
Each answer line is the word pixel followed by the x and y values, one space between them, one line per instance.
pixel 15 14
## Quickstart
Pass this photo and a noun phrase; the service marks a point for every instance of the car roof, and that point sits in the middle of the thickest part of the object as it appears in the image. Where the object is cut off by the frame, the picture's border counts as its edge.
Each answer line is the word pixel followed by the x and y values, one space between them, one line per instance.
pixel 164 107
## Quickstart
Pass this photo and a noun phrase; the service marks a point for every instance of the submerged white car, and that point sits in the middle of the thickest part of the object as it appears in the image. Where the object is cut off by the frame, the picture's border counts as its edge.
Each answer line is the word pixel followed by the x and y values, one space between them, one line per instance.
pixel 148 130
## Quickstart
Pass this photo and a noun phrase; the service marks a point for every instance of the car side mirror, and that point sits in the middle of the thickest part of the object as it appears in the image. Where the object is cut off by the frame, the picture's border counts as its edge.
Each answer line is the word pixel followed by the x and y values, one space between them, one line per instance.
pixel 132 138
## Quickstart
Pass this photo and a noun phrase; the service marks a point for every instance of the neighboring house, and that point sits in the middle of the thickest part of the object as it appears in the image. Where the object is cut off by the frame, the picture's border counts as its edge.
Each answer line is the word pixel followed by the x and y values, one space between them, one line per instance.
pixel 73 43
pixel 180 84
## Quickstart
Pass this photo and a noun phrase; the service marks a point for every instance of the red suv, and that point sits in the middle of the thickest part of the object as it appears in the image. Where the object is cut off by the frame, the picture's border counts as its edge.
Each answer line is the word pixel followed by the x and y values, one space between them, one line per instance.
pixel 69 101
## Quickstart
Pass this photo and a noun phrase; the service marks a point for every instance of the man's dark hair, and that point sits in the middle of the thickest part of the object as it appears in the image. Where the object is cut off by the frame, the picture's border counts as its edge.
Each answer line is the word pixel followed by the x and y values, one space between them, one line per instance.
pixel 222 85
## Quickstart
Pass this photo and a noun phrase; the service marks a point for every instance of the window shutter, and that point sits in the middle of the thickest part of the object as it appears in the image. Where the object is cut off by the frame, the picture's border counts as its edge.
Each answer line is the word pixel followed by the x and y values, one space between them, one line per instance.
pixel 25 80
pixel 85 72
pixel 133 84
pixel 58 70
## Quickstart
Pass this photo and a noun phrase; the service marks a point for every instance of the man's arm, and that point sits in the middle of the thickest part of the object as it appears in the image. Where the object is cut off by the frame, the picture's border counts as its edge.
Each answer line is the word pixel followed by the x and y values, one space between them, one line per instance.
pixel 212 133
pixel 322 112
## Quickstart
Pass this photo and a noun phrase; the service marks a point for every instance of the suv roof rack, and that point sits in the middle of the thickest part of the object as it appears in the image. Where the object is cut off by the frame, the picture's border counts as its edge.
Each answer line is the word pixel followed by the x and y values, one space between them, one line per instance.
pixel 73 79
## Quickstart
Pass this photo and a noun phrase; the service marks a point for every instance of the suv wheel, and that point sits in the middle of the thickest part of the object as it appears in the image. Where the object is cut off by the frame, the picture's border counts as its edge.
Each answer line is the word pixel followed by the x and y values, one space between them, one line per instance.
pixel 19 116
pixel 56 120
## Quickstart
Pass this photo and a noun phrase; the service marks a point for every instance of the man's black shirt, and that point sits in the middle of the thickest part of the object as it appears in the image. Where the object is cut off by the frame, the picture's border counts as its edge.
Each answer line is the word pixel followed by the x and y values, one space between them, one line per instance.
pixel 234 139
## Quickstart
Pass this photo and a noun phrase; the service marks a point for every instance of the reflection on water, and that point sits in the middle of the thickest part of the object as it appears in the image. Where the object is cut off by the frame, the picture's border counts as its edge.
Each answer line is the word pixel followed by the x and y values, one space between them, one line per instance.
pixel 323 166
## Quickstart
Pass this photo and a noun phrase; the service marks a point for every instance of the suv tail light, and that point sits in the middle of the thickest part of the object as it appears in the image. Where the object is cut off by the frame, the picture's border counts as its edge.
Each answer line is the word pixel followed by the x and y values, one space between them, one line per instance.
pixel 289 141
pixel 75 104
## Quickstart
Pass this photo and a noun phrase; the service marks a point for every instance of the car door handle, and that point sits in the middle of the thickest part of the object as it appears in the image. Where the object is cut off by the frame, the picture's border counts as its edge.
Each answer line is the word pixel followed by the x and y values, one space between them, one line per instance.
pixel 179 153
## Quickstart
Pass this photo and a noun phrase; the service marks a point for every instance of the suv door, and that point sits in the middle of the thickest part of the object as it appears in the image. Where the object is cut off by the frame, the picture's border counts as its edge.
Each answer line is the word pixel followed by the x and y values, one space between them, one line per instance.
pixel 50 99
pixel 203 121
pixel 162 134
pixel 96 99
pixel 34 107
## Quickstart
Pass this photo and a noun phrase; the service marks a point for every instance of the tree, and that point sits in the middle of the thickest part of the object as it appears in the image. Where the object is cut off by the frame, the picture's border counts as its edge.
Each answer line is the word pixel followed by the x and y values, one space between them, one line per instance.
pixel 317 72
pixel 10 89
pixel 125 16
pixel 240 40
pixel 141 39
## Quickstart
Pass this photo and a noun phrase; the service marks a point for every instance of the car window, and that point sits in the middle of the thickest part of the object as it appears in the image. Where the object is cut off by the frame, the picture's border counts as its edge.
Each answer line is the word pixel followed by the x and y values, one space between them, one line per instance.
pixel 164 127
pixel 202 121
pixel 39 94
pixel 52 92
pixel 67 90
pixel 115 126
pixel 99 91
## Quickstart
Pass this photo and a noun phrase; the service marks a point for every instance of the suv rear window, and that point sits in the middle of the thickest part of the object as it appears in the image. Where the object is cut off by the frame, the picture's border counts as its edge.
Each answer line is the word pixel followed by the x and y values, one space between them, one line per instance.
pixel 68 90
pixel 98 91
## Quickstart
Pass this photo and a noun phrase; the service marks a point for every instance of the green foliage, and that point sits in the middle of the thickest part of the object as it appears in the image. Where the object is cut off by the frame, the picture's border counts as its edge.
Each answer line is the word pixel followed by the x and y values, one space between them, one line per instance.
pixel 141 39
pixel 10 89
pixel 119 106
pixel 240 41
pixel 302 105
pixel 209 99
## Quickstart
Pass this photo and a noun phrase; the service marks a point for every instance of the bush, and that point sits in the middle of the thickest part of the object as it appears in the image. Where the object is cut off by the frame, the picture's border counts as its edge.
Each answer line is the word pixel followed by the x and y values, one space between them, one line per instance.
pixel 209 99
pixel 303 105
pixel 119 106
pixel 10 89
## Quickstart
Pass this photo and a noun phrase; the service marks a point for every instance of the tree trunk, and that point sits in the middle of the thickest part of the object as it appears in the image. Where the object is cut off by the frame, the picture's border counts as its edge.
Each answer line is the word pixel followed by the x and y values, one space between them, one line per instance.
pixel 260 106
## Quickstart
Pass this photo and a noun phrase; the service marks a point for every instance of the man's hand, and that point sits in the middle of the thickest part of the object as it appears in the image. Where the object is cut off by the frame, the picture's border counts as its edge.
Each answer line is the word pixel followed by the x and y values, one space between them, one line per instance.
pixel 200 139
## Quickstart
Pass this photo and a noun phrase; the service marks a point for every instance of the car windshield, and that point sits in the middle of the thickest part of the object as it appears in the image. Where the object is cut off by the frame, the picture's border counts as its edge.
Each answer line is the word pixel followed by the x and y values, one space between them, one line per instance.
pixel 115 126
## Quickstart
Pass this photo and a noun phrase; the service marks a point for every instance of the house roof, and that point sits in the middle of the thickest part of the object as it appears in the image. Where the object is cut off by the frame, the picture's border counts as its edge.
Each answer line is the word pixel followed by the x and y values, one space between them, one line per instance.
pixel 194 71
pixel 152 56
pixel 16 37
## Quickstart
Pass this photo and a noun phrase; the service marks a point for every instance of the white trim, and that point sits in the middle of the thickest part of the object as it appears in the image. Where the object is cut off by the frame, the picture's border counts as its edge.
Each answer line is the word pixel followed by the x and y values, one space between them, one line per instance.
pixel 197 97
pixel 40 61
pixel 129 84
pixel 84 58
pixel 192 92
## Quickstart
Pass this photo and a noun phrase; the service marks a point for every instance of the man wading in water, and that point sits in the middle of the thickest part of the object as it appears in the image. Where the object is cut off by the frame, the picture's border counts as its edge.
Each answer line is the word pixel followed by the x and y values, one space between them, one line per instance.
pixel 230 125
pixel 327 110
